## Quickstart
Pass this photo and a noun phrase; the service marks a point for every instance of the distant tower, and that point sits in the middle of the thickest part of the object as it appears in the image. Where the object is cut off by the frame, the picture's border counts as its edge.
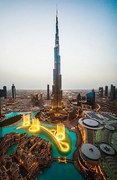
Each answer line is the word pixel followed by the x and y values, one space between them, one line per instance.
pixel 13 91
pixel 101 91
pixel 112 93
pixel 48 92
pixel 106 91
pixel 5 91
pixel 56 88
pixel 91 98
pixel 78 99
pixel 116 93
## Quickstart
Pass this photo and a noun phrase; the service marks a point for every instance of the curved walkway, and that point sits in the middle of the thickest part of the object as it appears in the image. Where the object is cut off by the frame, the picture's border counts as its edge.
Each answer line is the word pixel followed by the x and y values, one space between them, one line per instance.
pixel 98 108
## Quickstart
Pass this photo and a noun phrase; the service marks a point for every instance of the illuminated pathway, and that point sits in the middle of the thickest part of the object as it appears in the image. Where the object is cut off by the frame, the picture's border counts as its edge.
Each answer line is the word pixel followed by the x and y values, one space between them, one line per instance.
pixel 57 135
pixel 98 108
pixel 63 146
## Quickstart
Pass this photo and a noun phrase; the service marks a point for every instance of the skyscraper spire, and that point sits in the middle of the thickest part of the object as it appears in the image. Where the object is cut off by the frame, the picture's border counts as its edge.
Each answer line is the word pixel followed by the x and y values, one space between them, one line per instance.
pixel 56 88
pixel 57 30
pixel 56 10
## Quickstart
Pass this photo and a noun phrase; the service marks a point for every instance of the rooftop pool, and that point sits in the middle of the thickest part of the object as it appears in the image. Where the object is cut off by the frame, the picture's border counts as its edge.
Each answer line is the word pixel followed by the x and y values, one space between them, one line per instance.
pixel 57 170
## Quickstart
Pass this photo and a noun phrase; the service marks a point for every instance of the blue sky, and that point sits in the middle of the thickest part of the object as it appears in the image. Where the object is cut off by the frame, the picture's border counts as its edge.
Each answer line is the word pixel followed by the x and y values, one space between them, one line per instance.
pixel 88 43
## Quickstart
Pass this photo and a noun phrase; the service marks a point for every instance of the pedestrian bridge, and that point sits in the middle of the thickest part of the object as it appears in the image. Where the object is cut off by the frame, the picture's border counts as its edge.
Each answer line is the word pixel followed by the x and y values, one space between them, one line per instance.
pixel 63 160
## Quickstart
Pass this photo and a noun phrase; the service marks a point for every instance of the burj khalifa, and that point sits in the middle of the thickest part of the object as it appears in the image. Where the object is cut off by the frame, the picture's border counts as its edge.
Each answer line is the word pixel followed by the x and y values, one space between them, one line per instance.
pixel 56 101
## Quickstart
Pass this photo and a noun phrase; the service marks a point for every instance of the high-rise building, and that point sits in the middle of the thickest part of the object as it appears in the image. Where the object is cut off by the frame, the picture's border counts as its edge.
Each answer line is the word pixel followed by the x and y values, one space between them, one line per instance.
pixel 48 92
pixel 91 98
pixel 78 98
pixel 106 90
pixel 116 93
pixel 13 91
pixel 3 92
pixel 112 93
pixel 101 91
pixel 56 101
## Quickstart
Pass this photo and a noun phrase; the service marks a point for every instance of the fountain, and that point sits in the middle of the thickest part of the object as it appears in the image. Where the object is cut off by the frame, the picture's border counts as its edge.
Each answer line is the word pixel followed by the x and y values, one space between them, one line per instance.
pixel 58 134
pixel 60 131
pixel 35 126
pixel 26 120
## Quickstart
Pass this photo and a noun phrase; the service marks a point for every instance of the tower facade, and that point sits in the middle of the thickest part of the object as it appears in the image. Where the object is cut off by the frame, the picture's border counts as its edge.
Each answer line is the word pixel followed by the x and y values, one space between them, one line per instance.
pixel 13 91
pixel 112 93
pixel 106 91
pixel 57 78
pixel 5 91
pixel 101 91
pixel 48 92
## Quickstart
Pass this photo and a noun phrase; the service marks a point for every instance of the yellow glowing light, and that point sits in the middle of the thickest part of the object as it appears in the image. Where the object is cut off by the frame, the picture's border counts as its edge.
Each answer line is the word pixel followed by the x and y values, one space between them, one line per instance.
pixel 101 172
pixel 60 131
pixel 35 126
pixel 62 160
pixel 53 131
pixel 63 146
pixel 57 114
pixel 26 120
pixel 57 135
pixel 60 136
pixel 21 161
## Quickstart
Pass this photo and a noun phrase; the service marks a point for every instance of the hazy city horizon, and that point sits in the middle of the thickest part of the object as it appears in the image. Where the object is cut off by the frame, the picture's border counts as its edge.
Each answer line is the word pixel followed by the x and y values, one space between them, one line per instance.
pixel 24 89
pixel 87 43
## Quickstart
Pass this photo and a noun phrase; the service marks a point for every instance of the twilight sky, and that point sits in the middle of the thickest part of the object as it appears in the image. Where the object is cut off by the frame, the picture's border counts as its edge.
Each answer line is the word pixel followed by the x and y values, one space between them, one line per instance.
pixel 88 43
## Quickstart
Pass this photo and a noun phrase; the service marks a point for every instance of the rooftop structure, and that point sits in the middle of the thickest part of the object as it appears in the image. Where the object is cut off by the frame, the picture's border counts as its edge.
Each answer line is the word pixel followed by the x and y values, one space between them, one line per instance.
pixel 111 128
pixel 106 148
pixel 90 122
pixel 30 157
pixel 99 115
pixel 90 151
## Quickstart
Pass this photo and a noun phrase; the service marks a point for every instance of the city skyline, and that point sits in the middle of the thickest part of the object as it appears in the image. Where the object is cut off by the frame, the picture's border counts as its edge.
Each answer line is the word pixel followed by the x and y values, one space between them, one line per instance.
pixel 88 32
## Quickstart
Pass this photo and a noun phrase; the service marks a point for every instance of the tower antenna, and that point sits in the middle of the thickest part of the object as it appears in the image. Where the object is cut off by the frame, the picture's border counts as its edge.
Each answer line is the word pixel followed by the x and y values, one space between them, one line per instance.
pixel 56 10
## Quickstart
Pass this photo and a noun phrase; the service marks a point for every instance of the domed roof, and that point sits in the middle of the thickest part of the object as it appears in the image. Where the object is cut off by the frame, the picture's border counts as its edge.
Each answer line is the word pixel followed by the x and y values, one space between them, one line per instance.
pixel 106 148
pixel 111 128
pixel 90 151
pixel 91 122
